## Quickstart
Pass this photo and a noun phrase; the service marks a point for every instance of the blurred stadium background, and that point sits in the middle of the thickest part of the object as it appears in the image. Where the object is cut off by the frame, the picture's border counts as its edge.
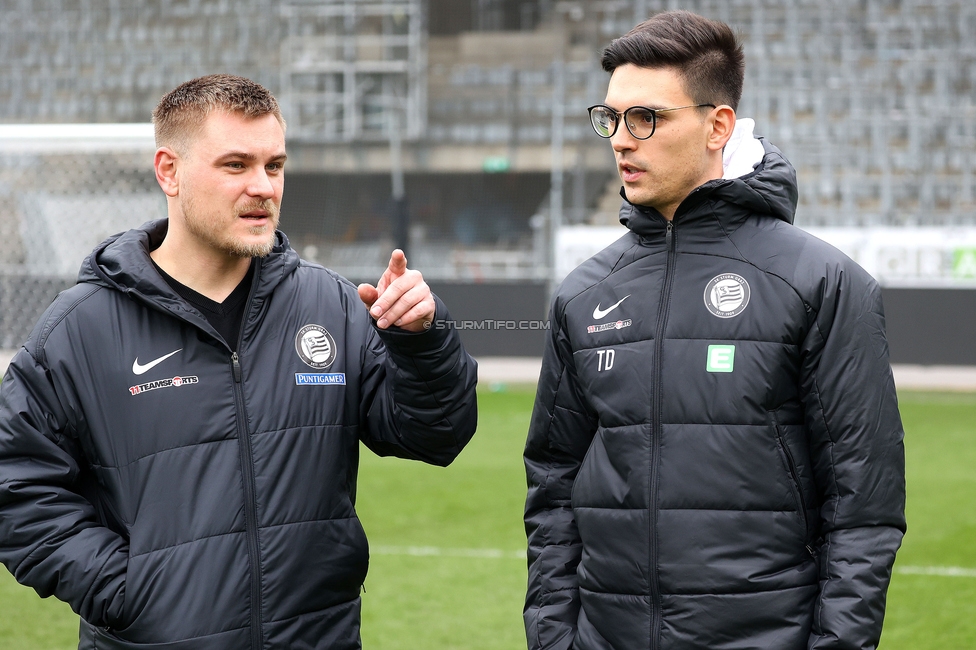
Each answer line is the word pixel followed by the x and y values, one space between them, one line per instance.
pixel 457 127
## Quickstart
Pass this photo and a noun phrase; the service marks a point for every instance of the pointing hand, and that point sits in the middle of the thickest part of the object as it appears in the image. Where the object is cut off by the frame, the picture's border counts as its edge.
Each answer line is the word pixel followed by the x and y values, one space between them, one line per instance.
pixel 400 298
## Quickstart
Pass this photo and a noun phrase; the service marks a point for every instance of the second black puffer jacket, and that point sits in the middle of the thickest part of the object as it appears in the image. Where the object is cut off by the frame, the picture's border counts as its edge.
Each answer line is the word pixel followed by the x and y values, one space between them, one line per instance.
pixel 715 457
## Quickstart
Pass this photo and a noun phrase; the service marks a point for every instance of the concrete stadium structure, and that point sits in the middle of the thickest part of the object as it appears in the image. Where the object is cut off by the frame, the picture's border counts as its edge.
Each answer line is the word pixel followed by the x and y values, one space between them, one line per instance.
pixel 477 109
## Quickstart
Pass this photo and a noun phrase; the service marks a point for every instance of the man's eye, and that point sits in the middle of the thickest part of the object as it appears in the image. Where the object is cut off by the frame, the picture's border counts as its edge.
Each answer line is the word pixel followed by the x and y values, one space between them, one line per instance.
pixel 235 165
pixel 274 167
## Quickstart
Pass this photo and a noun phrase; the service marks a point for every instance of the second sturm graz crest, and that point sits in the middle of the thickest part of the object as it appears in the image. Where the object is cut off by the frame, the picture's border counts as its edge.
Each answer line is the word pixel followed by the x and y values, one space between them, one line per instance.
pixel 727 295
pixel 315 346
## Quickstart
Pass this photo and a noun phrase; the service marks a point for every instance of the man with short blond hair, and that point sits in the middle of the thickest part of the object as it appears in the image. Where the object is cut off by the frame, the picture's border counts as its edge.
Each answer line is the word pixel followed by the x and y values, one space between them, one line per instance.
pixel 179 436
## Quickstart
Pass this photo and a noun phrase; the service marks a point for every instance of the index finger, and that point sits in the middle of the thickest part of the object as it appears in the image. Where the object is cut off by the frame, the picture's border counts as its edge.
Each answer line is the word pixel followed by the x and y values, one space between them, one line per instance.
pixel 398 262
pixel 396 268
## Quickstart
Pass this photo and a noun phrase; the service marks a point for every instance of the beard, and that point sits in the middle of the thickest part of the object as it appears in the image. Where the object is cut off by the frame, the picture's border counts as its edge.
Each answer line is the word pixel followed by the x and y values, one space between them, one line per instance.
pixel 211 228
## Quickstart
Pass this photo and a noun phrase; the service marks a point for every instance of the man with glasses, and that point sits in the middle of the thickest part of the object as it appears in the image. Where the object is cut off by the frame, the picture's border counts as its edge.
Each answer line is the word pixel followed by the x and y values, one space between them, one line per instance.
pixel 715 456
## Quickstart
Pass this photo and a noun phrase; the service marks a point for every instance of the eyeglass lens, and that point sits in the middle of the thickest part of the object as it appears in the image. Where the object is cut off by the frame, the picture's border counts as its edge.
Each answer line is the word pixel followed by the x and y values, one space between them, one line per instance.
pixel 640 121
pixel 604 121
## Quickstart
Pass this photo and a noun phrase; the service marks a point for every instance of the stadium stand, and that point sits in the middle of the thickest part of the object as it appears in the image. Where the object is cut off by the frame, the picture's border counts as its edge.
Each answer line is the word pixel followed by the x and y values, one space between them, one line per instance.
pixel 873 101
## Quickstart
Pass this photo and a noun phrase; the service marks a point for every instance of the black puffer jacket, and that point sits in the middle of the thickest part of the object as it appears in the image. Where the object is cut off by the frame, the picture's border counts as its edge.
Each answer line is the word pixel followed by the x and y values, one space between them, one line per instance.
pixel 715 457
pixel 181 497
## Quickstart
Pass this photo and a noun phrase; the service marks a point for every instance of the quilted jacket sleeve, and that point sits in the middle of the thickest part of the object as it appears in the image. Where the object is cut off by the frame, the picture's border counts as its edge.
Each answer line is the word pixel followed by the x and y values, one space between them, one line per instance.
pixel 560 432
pixel 858 456
pixel 419 393
pixel 50 537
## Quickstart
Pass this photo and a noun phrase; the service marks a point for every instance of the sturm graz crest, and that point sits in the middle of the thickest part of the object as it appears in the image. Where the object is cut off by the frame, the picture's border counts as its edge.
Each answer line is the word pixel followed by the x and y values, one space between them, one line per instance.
pixel 727 295
pixel 315 346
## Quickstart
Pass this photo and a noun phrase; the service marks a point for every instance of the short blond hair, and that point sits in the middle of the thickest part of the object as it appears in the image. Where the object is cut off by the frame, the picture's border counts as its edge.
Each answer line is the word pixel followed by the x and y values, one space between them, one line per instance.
pixel 181 112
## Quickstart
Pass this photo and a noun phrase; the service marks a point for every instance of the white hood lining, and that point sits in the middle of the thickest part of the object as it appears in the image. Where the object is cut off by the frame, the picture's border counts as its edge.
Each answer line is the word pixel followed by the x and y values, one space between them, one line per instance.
pixel 743 151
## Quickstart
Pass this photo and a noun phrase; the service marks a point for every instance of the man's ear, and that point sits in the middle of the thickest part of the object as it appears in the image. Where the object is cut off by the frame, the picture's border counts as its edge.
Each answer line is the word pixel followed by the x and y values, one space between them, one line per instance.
pixel 723 122
pixel 165 164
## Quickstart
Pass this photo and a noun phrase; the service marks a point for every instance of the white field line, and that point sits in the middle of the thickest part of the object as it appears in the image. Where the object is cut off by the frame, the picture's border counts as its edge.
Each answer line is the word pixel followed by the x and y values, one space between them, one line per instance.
pixel 499 554
pixel 436 551
pixel 945 571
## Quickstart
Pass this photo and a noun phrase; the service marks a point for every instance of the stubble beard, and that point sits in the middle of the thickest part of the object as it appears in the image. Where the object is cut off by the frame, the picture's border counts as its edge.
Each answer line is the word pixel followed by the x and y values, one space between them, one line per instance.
pixel 211 228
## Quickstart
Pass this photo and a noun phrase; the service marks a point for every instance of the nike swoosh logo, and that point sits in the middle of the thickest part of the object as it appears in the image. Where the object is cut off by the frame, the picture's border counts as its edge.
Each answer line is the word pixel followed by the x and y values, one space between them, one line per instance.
pixel 600 313
pixel 139 369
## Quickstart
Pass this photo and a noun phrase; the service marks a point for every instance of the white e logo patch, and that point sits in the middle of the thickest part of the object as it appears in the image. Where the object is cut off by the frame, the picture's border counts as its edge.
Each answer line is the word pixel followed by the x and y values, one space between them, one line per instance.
pixel 720 358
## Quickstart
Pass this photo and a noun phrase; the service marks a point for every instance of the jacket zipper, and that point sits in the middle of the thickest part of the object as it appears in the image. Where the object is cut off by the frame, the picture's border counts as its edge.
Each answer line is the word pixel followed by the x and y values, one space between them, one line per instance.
pixel 656 433
pixel 250 509
pixel 247 470
pixel 795 486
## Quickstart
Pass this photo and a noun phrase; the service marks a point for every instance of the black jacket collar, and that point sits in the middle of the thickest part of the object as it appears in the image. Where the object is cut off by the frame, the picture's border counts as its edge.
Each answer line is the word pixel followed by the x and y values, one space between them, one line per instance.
pixel 122 263
pixel 769 190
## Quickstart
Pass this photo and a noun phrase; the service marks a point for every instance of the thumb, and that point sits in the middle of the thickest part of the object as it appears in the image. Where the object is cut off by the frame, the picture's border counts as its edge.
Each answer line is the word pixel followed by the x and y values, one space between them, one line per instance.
pixel 368 294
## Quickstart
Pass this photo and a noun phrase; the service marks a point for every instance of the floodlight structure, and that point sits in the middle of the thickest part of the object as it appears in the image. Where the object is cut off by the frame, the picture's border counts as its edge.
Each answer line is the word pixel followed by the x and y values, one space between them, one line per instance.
pixel 345 64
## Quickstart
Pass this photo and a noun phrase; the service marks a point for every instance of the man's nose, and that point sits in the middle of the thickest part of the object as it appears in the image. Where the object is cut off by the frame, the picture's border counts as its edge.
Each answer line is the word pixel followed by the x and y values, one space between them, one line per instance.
pixel 260 185
pixel 623 139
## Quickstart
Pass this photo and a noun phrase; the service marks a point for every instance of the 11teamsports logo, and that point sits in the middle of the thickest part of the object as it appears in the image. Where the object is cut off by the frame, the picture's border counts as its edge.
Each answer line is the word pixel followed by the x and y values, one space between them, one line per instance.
pixel 175 382
pixel 603 327
pixel 727 295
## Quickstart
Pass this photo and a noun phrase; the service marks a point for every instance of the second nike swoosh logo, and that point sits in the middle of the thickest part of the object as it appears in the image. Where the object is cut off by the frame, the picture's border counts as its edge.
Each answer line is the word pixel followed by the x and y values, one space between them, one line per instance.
pixel 600 313
pixel 139 369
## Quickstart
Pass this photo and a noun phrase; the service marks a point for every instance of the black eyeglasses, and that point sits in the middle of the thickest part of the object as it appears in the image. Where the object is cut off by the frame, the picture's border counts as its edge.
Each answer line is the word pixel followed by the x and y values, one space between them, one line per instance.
pixel 641 121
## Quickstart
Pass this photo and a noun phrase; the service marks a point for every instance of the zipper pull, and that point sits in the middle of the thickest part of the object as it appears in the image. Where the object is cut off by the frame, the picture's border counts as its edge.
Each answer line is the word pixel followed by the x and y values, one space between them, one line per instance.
pixel 667 236
pixel 235 361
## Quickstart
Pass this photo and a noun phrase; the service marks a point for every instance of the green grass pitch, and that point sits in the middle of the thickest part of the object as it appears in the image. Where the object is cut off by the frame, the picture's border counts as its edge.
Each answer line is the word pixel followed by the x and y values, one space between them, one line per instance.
pixel 448 570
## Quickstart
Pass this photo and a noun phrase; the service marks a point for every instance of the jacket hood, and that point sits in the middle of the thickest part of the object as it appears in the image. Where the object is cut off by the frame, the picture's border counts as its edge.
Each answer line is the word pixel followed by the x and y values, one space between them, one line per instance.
pixel 758 180
pixel 122 263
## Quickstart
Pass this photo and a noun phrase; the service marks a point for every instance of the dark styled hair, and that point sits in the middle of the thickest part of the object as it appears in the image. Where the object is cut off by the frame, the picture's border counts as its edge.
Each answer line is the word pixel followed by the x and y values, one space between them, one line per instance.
pixel 706 53
pixel 182 111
